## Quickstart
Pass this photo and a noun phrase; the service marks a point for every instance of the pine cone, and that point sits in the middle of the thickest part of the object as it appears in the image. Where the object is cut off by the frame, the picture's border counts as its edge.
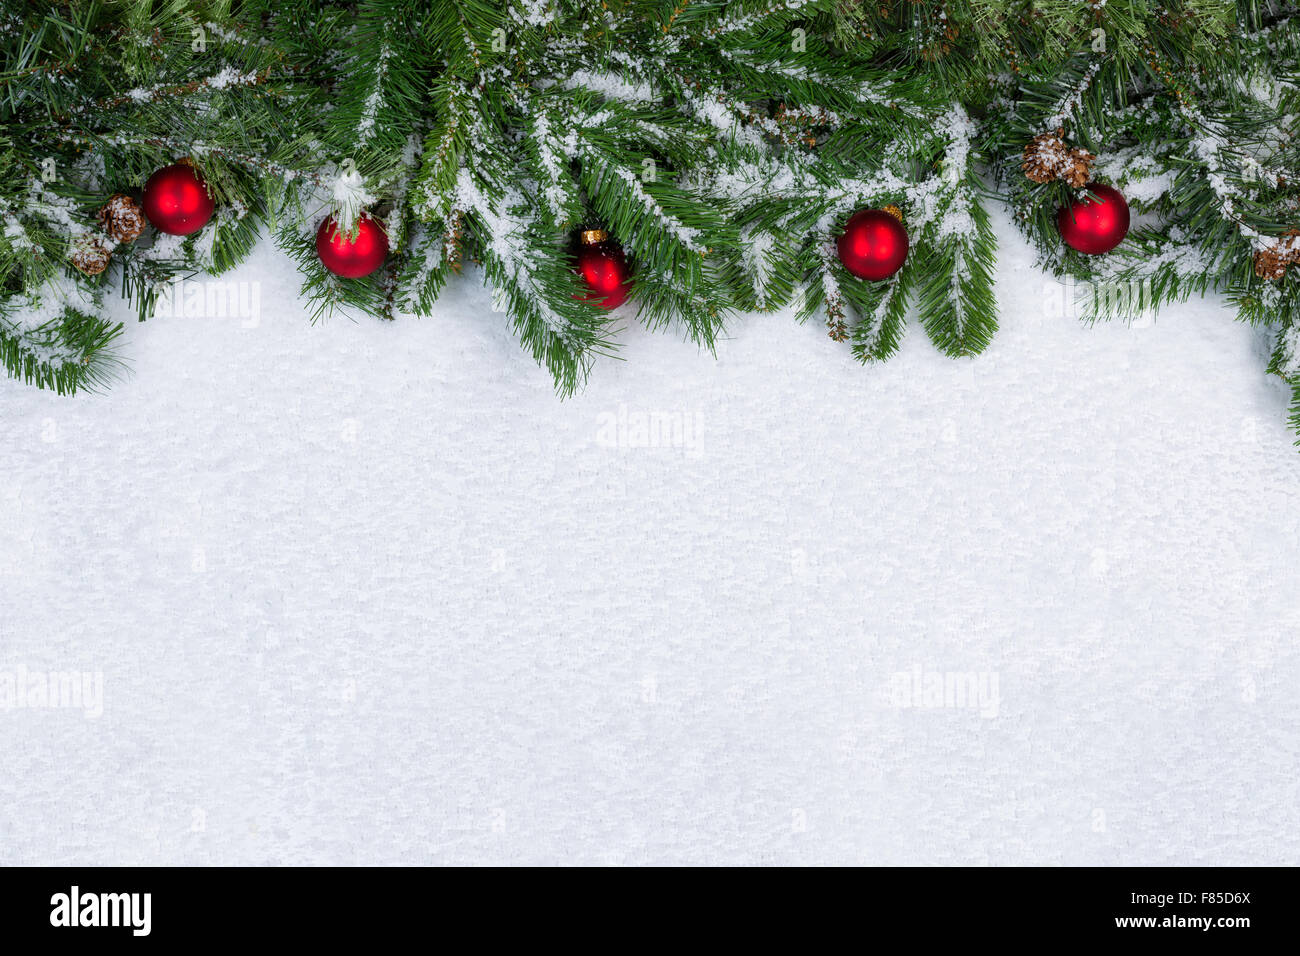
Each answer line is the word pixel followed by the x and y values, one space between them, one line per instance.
pixel 90 255
pixel 122 218
pixel 1271 263
pixel 1046 157
pixel 1079 171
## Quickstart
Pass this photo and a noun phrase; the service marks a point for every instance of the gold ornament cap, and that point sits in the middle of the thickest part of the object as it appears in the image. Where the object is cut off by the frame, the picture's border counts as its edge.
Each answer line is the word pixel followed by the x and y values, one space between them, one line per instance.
pixel 894 211
pixel 594 237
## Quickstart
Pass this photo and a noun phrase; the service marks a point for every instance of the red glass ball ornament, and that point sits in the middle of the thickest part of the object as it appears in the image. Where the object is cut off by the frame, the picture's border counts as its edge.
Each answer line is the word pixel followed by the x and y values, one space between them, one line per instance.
pixel 1094 226
pixel 874 244
pixel 353 258
pixel 176 200
pixel 603 268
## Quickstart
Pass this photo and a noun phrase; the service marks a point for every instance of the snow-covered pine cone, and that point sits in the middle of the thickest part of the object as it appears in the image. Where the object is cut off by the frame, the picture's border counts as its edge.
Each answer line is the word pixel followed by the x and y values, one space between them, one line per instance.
pixel 1271 263
pixel 1048 157
pixel 90 255
pixel 122 218
pixel 1078 172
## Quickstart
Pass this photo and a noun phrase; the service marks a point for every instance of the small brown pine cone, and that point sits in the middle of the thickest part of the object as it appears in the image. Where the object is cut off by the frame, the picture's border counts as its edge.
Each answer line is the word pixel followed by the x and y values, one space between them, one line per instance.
pixel 122 218
pixel 1291 245
pixel 1046 157
pixel 90 255
pixel 1269 265
pixel 1078 171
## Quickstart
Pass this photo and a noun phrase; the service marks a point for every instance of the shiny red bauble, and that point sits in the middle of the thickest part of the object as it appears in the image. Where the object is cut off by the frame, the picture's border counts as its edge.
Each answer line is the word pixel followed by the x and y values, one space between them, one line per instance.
pixel 874 244
pixel 1096 225
pixel 352 257
pixel 603 268
pixel 176 200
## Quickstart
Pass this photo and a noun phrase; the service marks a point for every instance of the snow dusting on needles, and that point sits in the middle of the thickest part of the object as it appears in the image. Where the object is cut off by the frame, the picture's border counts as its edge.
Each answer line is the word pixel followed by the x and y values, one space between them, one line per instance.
pixel 370 109
pixel 537 13
pixel 350 196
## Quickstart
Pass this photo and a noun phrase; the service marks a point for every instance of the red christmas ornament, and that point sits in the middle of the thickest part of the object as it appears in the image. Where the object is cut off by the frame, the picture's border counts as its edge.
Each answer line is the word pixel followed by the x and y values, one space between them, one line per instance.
pixel 874 244
pixel 176 200
pixel 356 258
pixel 603 267
pixel 1096 225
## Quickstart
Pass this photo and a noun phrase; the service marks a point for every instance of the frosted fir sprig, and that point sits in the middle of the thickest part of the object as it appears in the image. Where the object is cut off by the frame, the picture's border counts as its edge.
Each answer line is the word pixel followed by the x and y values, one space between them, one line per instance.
pixel 370 108
pixel 227 78
pixel 1066 111
pixel 733 24
pixel 503 238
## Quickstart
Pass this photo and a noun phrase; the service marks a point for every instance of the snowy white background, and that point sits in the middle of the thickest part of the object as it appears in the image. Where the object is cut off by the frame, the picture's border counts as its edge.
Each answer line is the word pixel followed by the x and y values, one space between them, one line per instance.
pixel 367 592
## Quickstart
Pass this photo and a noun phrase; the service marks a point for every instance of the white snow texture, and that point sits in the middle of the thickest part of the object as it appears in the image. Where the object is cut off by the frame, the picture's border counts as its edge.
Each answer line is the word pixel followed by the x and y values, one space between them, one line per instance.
pixel 370 593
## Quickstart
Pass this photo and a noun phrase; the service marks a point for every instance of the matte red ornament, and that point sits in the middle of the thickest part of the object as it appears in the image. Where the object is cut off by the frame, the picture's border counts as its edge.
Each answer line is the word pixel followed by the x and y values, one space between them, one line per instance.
pixel 1094 226
pixel 356 258
pixel 603 268
pixel 874 244
pixel 176 200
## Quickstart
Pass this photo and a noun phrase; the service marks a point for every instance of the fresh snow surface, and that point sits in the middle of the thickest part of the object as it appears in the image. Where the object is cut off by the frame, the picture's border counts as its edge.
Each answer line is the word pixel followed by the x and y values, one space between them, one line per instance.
pixel 369 593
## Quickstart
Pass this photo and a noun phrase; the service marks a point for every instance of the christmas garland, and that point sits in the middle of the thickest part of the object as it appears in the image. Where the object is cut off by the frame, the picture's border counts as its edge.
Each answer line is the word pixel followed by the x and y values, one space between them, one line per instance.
pixel 684 160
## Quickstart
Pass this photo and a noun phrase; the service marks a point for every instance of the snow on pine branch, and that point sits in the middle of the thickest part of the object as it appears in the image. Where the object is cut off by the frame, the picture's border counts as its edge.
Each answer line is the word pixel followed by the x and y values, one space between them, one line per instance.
pixel 871 328
pixel 708 104
pixel 1067 107
pixel 762 175
pixel 956 292
pixel 554 152
pixel 959 130
pixel 1179 257
pixel 748 22
pixel 370 109
pixel 756 258
pixel 26 314
pixel 875 93
pixel 1210 143
pixel 612 86
pixel 430 264
pixel 14 232
pixel 1143 176
pixel 504 238
pixel 849 195
pixel 714 108
pixel 59 211
pixel 224 79
pixel 536 13
pixel 1290 365
pixel 791 179
pixel 686 235
pixel 827 256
